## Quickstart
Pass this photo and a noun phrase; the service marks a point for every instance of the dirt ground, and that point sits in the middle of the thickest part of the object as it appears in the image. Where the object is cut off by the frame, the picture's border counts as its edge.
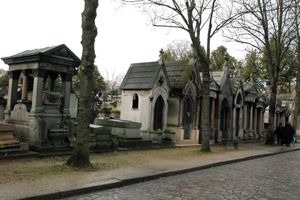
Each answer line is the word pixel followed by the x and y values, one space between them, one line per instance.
pixel 33 169
pixel 34 176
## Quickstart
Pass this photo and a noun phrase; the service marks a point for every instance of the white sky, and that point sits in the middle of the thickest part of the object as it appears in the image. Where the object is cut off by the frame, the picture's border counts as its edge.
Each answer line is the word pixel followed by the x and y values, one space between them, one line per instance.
pixel 123 35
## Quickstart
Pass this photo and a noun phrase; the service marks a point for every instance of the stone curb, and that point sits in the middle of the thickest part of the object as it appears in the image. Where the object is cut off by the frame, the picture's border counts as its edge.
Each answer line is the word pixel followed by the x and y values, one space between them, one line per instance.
pixel 128 180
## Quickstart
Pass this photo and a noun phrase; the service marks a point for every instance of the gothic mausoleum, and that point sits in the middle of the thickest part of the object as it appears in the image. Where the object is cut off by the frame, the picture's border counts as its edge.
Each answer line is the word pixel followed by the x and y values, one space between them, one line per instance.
pixel 167 96
pixel 39 97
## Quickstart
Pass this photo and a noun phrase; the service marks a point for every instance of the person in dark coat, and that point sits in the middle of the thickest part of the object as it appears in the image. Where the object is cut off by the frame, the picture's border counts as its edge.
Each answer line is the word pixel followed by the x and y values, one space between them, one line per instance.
pixel 279 133
pixel 288 133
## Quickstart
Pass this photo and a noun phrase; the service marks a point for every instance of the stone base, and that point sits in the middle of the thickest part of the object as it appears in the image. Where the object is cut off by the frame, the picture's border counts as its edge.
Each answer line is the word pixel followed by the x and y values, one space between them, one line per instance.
pixel 134 143
pixel 6 134
pixel 14 149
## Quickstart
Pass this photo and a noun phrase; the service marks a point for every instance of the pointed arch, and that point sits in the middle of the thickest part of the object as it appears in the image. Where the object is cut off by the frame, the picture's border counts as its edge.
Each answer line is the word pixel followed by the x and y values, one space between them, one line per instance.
pixel 135 101
pixel 158 113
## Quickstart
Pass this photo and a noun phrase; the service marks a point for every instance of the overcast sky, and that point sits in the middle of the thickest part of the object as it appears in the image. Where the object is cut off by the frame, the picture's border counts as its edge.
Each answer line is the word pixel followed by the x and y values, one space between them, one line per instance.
pixel 123 35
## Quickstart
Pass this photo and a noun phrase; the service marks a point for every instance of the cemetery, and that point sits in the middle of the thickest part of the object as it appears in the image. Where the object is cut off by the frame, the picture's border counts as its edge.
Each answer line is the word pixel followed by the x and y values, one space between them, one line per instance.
pixel 160 106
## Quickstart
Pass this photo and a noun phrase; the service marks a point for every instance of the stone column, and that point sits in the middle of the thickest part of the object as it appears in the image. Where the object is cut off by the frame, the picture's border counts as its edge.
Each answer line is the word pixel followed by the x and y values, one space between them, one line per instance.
pixel 212 116
pixel 24 85
pixel 37 93
pixel 150 117
pixel 198 105
pixel 246 116
pixel 251 117
pixel 255 122
pixel 241 129
pixel 260 121
pixel 66 90
pixel 12 89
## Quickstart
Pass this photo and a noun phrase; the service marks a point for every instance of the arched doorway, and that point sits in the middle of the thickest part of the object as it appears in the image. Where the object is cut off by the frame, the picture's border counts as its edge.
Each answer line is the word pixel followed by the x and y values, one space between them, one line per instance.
pixel 158 113
pixel 187 118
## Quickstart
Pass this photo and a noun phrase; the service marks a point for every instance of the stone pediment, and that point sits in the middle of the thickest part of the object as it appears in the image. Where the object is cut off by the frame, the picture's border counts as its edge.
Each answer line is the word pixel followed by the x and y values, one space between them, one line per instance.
pixel 47 54
pixel 214 85
pixel 250 97
pixel 251 88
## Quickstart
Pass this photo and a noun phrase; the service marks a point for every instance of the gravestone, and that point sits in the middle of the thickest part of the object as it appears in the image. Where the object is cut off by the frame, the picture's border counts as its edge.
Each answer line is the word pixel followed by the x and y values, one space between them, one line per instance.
pixel 127 132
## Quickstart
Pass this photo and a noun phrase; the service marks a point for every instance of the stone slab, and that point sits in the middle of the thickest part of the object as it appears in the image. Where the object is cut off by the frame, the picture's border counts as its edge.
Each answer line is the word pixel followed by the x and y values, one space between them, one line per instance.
pixel 132 144
pixel 117 123
pixel 6 127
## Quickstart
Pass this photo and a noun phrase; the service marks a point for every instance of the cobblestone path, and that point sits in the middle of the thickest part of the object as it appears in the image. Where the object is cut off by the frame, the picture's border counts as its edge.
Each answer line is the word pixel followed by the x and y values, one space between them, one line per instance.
pixel 272 177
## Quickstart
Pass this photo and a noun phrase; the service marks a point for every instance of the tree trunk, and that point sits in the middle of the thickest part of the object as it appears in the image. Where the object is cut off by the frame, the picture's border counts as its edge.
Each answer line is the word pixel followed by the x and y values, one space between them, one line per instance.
pixel 205 106
pixel 206 130
pixel 297 96
pixel 272 106
pixel 80 155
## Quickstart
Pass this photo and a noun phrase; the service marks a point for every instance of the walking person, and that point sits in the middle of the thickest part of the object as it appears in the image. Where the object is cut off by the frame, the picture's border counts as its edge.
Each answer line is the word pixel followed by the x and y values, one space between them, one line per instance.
pixel 288 133
pixel 279 133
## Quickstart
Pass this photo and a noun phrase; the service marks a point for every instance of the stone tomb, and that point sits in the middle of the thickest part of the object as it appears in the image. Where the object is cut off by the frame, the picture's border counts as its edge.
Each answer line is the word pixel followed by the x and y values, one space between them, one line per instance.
pixel 127 132
pixel 101 138
pixel 36 105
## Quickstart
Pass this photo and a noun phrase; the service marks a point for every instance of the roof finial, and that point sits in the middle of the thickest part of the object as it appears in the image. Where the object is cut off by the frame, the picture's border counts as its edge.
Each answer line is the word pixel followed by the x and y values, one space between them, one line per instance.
pixel 239 72
pixel 226 57
pixel 211 73
pixel 161 56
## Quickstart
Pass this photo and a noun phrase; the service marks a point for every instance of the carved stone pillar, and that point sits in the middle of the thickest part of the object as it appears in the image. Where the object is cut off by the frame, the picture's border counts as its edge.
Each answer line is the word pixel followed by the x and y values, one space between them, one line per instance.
pixel 241 129
pixel 260 121
pixel 25 85
pixel 13 90
pixel 255 122
pixel 37 93
pixel 246 118
pixel 212 116
pixel 66 90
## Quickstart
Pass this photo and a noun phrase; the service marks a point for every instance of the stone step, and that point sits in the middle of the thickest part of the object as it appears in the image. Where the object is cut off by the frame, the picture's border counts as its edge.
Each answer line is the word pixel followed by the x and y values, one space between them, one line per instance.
pixel 14 149
pixel 132 144
pixel 188 142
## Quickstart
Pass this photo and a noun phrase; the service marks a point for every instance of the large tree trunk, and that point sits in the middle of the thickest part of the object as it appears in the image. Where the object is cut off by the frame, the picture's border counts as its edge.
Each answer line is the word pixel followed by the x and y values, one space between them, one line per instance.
pixel 272 104
pixel 206 130
pixel 297 96
pixel 205 105
pixel 271 127
pixel 80 156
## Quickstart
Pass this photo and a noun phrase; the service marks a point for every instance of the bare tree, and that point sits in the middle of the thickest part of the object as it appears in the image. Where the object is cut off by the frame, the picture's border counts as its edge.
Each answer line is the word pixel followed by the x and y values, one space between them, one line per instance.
pixel 113 80
pixel 194 17
pixel 264 21
pixel 297 44
pixel 80 156
pixel 179 49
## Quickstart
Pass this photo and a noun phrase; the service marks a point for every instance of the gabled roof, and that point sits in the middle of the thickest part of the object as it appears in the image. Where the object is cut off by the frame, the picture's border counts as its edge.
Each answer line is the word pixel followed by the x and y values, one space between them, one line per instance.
pixel 178 73
pixel 51 54
pixel 141 76
pixel 250 87
pixel 217 76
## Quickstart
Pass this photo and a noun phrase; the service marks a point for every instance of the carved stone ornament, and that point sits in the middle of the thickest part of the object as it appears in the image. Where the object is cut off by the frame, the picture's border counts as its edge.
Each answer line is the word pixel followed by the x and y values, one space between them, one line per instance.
pixel 63 53
pixel 52 98
pixel 161 80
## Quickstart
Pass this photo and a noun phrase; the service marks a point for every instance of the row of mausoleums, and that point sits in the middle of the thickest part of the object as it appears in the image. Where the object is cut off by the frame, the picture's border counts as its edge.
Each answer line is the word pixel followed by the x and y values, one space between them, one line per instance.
pixel 167 96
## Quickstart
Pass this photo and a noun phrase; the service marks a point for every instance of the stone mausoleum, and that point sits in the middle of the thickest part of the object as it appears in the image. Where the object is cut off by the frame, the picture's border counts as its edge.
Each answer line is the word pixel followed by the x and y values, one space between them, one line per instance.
pixel 41 114
pixel 167 96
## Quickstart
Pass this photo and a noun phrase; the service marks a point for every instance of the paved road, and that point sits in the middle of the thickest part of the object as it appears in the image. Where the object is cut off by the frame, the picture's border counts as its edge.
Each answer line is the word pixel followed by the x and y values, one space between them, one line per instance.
pixel 273 177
